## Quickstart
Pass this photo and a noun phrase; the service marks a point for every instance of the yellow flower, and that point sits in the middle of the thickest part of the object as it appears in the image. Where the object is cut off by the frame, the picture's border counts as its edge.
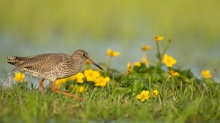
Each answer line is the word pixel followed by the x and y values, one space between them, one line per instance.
pixel 129 68
pixel 144 95
pixel 173 73
pixel 145 60
pixel 137 63
pixel 155 93
pixel 169 61
pixel 19 77
pixel 59 82
pixel 112 53
pixel 159 38
pixel 146 48
pixel 206 74
pixel 81 89
pixel 78 77
pixel 91 75
pixel 101 81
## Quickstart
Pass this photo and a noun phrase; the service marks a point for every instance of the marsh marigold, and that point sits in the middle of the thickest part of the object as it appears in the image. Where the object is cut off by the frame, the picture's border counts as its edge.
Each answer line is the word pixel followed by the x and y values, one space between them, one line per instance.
pixel 206 74
pixel 80 89
pixel 129 68
pixel 112 53
pixel 144 95
pixel 101 81
pixel 137 63
pixel 145 60
pixel 173 73
pixel 155 93
pixel 91 75
pixel 159 38
pixel 169 61
pixel 78 77
pixel 19 77
pixel 146 48
pixel 59 82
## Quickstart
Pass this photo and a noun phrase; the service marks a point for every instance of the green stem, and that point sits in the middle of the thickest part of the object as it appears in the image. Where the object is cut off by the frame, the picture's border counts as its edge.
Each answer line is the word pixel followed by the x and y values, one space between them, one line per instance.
pixel 109 63
pixel 164 85
pixel 90 98
pixel 158 52
pixel 166 49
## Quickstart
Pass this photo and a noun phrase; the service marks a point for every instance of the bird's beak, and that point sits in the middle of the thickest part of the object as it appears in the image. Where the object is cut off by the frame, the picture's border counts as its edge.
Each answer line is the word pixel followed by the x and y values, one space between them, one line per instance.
pixel 90 61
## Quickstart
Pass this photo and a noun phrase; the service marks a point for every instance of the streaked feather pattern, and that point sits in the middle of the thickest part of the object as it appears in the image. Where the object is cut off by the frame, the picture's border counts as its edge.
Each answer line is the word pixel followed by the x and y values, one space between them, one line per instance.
pixel 50 66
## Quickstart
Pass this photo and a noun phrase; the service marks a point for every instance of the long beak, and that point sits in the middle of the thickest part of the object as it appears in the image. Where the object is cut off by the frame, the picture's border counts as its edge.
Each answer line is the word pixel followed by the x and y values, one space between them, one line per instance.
pixel 89 60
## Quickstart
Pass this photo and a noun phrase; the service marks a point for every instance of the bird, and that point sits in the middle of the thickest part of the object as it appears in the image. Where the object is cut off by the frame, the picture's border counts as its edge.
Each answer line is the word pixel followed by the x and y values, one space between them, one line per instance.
pixel 51 66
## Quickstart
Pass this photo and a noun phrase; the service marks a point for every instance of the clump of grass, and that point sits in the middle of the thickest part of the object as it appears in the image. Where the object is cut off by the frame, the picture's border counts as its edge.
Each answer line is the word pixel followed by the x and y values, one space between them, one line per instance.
pixel 144 93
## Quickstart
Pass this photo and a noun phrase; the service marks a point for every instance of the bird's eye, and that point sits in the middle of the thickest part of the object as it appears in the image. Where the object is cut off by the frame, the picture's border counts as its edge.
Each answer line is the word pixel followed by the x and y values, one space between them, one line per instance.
pixel 84 54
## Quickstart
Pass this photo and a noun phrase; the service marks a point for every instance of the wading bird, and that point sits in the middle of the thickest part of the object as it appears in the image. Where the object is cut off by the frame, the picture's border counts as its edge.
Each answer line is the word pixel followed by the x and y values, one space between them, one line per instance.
pixel 51 66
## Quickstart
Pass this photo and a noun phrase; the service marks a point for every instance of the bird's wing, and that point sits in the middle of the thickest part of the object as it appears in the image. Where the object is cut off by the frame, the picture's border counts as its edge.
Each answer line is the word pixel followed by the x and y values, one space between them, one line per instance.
pixel 41 63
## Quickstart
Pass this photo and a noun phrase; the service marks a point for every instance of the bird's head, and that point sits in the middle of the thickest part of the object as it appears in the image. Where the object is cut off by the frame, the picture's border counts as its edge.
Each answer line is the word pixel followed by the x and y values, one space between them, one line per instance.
pixel 84 56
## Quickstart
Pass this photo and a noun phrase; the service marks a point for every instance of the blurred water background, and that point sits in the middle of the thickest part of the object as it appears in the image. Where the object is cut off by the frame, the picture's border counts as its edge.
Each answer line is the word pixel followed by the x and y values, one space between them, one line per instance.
pixel 29 27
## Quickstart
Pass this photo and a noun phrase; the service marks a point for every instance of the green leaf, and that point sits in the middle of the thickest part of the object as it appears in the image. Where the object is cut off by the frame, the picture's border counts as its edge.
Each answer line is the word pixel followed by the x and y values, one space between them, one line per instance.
pixel 137 85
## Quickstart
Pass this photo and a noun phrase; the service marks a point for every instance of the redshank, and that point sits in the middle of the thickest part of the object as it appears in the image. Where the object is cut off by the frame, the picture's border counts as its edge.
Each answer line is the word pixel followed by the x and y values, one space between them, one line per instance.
pixel 51 66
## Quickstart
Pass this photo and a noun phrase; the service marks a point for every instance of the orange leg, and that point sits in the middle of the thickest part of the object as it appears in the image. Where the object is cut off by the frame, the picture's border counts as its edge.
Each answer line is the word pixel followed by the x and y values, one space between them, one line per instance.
pixel 64 93
pixel 41 86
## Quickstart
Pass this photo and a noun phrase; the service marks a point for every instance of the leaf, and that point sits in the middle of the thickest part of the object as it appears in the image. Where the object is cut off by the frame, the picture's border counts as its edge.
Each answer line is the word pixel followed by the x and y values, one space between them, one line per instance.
pixel 137 85
pixel 121 90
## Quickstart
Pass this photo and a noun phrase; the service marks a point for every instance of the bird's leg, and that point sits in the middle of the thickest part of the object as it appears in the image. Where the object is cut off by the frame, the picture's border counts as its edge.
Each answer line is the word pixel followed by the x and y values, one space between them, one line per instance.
pixel 64 93
pixel 41 86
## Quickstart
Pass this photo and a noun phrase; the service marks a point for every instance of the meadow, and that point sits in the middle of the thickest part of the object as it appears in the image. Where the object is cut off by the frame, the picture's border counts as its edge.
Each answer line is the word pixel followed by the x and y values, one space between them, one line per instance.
pixel 166 80
pixel 145 92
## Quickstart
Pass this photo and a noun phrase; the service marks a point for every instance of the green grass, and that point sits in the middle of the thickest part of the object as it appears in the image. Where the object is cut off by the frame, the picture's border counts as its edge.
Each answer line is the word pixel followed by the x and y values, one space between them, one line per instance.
pixel 183 98
pixel 191 103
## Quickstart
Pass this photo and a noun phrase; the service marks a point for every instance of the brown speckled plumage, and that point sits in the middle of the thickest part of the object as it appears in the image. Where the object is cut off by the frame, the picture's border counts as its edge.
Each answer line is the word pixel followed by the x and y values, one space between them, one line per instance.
pixel 51 66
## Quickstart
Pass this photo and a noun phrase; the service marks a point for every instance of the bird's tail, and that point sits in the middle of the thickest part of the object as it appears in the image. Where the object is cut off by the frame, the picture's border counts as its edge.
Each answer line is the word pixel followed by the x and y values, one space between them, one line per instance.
pixel 14 60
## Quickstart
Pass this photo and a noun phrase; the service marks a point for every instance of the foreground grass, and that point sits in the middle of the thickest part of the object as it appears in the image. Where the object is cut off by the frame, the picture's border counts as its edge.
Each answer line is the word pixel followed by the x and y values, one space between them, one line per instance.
pixel 174 104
